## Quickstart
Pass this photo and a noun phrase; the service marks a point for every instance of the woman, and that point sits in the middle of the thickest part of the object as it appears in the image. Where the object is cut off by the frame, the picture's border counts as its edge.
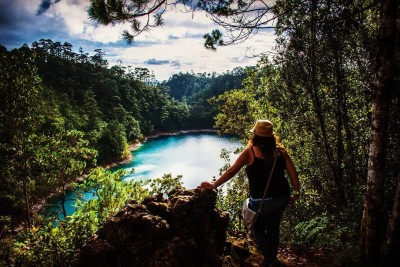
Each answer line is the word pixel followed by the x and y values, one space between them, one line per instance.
pixel 258 158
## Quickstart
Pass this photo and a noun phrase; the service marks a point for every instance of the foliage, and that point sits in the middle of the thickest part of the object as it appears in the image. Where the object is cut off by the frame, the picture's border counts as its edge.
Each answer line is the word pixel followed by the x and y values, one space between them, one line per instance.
pixel 320 231
pixel 165 184
pixel 62 112
pixel 48 244
pixel 191 86
pixel 39 154
pixel 238 109
pixel 317 92
pixel 54 242
pixel 195 89
pixel 5 239
pixel 107 12
pixel 22 108
pixel 113 141
pixel 110 192
pixel 310 229
pixel 91 96
pixel 241 19
pixel 175 115
pixel 231 195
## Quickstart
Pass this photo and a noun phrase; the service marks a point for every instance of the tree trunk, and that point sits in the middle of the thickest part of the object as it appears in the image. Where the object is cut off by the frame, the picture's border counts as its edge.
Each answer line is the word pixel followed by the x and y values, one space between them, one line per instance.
pixel 391 249
pixel 26 196
pixel 317 106
pixel 340 91
pixel 345 148
pixel 63 197
pixel 371 224
pixel 25 180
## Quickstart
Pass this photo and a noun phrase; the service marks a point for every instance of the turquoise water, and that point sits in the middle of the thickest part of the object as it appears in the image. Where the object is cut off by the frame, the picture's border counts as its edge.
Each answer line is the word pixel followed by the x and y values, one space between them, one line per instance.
pixel 195 156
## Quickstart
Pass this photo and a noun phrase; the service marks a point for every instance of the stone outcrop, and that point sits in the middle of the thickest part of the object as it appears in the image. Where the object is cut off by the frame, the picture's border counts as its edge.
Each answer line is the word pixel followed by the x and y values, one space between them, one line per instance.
pixel 183 230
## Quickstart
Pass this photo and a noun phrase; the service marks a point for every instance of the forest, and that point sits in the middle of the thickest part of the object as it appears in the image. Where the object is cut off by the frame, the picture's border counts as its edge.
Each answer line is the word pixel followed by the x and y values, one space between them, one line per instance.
pixel 331 88
pixel 65 112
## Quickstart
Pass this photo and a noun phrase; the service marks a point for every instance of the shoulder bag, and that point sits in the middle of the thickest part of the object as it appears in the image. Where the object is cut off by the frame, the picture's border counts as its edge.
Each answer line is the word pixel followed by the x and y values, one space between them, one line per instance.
pixel 249 216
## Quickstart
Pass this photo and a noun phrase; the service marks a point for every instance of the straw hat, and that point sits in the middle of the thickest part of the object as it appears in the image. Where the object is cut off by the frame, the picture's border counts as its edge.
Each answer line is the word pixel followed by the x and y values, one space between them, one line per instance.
pixel 263 128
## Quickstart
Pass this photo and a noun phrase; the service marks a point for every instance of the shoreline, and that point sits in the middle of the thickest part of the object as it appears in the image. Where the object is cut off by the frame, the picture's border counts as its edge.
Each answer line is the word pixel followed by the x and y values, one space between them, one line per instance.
pixel 37 207
pixel 180 132
pixel 136 145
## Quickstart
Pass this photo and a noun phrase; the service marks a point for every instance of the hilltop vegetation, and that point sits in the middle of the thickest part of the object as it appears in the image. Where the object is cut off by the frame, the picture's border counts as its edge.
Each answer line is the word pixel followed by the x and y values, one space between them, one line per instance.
pixel 63 112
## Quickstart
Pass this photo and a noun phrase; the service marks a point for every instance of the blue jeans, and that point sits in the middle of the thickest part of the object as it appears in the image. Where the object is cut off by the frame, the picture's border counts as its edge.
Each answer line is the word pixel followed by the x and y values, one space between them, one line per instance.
pixel 266 228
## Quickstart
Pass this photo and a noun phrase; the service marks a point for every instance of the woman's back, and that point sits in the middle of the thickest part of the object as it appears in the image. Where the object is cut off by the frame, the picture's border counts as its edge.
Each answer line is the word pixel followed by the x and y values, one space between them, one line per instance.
pixel 258 173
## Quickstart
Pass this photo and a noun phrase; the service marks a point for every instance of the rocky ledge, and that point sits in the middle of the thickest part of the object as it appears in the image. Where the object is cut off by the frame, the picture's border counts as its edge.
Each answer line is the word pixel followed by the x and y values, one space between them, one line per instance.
pixel 183 230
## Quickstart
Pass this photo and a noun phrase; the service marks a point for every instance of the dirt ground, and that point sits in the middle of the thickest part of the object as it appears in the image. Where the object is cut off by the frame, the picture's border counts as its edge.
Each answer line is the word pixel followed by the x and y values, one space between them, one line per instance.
pixel 243 253
pixel 293 257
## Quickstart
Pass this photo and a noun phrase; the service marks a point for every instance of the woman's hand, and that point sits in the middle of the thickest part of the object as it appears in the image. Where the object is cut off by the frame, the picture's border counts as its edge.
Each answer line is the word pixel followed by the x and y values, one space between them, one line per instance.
pixel 207 185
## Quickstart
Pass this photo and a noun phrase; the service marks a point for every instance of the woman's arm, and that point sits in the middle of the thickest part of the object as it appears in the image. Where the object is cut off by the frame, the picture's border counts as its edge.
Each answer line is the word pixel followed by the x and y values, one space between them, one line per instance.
pixel 242 160
pixel 294 178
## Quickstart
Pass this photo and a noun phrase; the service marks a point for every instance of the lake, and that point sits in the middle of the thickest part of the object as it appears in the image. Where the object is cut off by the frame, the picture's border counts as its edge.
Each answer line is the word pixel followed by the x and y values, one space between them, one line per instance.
pixel 195 156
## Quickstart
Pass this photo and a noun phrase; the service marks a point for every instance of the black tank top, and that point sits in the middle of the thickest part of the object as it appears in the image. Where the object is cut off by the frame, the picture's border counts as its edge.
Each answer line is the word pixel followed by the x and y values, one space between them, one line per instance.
pixel 258 173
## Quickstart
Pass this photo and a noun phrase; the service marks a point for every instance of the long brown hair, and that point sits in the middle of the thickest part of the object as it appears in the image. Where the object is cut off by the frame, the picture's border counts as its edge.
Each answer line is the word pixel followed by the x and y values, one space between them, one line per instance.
pixel 267 145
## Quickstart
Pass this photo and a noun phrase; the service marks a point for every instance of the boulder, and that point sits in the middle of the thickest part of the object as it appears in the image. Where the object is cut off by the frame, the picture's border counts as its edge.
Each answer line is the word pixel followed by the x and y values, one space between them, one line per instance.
pixel 183 230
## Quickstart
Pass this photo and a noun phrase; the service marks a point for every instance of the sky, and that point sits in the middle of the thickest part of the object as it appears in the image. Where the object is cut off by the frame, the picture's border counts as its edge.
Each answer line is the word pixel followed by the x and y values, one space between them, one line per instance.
pixel 177 46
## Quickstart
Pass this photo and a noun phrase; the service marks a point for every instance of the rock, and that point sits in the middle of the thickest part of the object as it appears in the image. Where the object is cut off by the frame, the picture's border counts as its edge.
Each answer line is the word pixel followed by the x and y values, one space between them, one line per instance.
pixel 241 251
pixel 184 230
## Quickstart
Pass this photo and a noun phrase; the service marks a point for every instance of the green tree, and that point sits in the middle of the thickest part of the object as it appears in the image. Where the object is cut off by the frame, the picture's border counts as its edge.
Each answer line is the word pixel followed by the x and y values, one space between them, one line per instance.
pixel 63 157
pixel 40 155
pixel 57 245
pixel 195 89
pixel 22 116
pixel 241 19
pixel 231 197
pixel 238 109
pixel 165 184
pixel 372 234
pixel 110 192
pixel 174 115
pixel 113 142
pixel 93 118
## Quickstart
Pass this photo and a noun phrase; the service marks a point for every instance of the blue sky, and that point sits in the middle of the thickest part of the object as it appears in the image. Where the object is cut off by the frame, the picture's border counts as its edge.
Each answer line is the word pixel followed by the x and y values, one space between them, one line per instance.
pixel 176 46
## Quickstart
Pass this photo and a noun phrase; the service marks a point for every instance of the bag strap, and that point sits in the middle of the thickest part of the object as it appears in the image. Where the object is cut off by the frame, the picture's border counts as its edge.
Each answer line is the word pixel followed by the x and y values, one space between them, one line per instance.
pixel 269 181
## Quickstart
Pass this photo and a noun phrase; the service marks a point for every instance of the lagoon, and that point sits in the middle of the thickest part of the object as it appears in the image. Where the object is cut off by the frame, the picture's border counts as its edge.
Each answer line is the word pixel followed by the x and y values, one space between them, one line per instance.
pixel 195 156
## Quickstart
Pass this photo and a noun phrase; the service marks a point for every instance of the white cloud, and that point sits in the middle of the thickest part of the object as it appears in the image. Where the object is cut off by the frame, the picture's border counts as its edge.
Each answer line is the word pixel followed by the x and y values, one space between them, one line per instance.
pixel 178 44
pixel 78 25
pixel 178 23
pixel 191 55
pixel 73 14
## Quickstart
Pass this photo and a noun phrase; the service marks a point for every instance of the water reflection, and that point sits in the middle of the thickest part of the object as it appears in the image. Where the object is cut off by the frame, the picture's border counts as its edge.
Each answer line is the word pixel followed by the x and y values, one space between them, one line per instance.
pixel 195 156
